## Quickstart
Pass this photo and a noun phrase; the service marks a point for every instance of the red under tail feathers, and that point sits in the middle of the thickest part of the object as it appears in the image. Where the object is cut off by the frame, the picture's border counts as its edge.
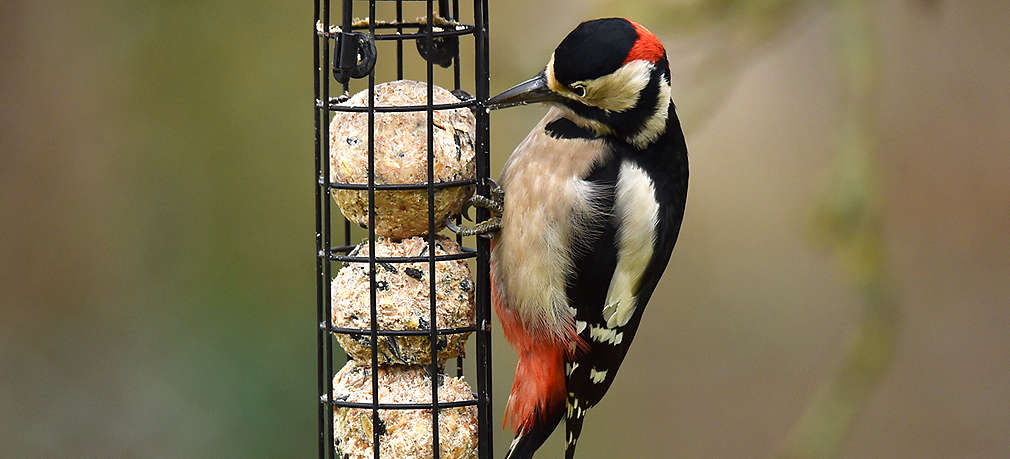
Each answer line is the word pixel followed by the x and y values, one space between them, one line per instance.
pixel 539 388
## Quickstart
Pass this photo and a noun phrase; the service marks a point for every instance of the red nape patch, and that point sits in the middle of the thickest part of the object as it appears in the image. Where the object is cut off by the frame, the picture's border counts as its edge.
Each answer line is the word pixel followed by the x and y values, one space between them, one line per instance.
pixel 647 47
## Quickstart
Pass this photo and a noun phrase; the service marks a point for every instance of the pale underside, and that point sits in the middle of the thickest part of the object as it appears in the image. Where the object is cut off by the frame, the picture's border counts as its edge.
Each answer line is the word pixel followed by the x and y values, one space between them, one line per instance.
pixel 544 195
pixel 548 205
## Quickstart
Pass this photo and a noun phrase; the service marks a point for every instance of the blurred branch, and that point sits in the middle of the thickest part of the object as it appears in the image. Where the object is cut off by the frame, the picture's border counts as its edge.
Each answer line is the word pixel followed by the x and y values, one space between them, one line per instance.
pixel 848 219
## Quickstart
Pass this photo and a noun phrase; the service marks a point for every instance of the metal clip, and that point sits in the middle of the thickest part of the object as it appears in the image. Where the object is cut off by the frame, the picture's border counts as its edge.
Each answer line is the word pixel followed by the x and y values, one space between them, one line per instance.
pixel 353 56
pixel 443 49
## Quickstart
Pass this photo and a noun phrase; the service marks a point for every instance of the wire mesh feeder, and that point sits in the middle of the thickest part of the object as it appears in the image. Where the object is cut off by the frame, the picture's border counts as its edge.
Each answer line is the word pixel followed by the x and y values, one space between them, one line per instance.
pixel 361 384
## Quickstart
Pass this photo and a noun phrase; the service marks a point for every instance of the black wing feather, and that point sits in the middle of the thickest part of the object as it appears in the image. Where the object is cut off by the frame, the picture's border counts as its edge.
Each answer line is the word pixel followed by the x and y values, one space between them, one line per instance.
pixel 666 163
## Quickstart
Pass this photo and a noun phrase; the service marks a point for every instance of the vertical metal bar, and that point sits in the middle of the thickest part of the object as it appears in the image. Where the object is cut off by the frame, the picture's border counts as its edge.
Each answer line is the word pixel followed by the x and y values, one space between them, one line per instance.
pixel 371 245
pixel 486 245
pixel 429 44
pixel 455 59
pixel 347 13
pixel 456 85
pixel 482 83
pixel 322 256
pixel 347 236
pixel 327 230
pixel 399 43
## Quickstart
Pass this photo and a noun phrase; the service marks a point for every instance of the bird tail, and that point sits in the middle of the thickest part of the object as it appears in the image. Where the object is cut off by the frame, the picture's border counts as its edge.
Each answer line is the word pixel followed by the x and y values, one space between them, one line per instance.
pixel 526 443
pixel 573 427
pixel 537 401
pixel 538 390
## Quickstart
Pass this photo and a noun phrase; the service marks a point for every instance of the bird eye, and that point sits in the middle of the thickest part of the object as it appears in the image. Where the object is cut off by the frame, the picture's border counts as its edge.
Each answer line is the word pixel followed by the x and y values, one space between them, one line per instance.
pixel 579 90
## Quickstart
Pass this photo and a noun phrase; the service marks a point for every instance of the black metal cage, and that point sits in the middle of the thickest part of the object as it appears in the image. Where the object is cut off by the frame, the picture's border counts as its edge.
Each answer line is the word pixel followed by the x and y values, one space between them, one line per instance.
pixel 353 51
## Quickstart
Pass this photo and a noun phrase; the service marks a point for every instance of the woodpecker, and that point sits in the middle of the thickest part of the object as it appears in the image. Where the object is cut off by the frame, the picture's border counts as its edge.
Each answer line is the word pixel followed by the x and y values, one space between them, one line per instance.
pixel 593 200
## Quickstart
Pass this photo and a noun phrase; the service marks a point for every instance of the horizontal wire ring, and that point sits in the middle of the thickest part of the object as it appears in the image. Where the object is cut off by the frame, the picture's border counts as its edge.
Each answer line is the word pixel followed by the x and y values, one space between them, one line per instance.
pixel 465 254
pixel 367 331
pixel 400 406
pixel 399 108
pixel 457 31
pixel 402 186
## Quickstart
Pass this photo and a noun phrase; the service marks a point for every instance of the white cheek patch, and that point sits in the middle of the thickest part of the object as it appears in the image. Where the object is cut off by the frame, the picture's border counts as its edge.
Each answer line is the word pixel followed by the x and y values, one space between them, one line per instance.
pixel 619 91
pixel 638 213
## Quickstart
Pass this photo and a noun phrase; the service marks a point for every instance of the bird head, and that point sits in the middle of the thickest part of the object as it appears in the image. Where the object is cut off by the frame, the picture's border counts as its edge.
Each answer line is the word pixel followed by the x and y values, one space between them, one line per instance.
pixel 611 75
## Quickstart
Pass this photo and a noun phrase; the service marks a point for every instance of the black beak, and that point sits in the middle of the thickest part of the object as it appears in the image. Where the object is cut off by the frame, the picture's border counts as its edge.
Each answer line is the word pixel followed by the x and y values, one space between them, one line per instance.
pixel 530 91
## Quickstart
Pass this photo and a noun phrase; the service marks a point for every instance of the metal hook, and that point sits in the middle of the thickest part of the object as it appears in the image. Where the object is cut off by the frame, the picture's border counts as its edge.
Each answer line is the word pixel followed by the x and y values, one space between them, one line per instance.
pixel 354 56
pixel 442 51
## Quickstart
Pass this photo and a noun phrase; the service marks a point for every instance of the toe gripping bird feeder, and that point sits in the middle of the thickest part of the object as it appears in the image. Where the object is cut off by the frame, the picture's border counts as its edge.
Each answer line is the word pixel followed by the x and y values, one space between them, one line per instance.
pixel 393 397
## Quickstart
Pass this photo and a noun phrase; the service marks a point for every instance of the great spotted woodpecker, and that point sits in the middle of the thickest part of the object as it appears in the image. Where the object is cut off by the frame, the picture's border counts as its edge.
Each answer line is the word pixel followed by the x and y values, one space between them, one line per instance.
pixel 593 203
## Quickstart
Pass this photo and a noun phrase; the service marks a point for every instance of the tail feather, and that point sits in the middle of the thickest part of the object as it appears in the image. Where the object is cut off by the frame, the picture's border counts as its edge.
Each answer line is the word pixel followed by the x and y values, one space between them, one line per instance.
pixel 538 390
pixel 575 414
pixel 537 401
pixel 526 443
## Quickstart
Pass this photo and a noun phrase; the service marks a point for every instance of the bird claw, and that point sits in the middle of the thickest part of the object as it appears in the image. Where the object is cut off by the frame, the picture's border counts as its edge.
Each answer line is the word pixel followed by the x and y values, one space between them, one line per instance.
pixel 487 228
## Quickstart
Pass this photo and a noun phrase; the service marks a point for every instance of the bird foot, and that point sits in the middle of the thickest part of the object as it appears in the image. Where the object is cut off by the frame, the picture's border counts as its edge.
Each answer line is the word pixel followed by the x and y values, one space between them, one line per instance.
pixel 487 228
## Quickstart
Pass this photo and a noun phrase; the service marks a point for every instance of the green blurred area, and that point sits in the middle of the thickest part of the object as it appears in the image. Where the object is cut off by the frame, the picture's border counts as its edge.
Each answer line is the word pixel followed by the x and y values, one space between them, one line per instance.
pixel 157 226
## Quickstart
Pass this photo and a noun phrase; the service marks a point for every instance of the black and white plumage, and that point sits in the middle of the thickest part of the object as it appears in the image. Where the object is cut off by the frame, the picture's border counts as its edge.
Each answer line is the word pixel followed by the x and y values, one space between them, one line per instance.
pixel 594 199
pixel 589 374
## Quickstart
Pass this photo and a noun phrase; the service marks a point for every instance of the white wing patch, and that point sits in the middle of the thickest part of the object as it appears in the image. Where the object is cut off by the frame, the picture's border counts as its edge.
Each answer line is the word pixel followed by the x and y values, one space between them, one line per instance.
pixel 636 207
pixel 605 335
pixel 597 376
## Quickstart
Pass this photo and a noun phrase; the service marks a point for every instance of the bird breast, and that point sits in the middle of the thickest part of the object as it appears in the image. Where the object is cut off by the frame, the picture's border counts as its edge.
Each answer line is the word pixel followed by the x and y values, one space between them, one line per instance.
pixel 547 207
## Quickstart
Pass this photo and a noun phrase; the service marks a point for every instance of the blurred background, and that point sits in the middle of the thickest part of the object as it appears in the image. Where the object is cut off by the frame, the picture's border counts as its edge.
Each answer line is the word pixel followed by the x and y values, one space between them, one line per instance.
pixel 841 286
